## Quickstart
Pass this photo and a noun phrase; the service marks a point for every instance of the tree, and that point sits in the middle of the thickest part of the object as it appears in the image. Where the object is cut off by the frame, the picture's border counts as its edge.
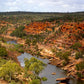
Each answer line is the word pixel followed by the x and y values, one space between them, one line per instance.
pixel 34 65
pixel 35 81
pixel 9 70
pixel 36 68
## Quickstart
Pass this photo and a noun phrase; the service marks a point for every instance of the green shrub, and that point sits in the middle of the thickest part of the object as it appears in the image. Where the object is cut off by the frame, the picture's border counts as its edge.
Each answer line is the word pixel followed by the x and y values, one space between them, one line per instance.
pixel 44 79
pixel 76 46
pixel 79 55
pixel 35 81
pixel 59 54
pixel 9 70
pixel 2 39
pixel 53 50
pixel 3 52
pixel 12 82
pixel 18 32
pixel 38 53
pixel 82 35
pixel 3 29
pixel 2 61
pixel 80 66
pixel 21 51
pixel 53 28
pixel 34 65
pixel 64 63
pixel 19 48
pixel 80 75
pixel 34 41
pixel 64 55
pixel 17 82
pixel 28 41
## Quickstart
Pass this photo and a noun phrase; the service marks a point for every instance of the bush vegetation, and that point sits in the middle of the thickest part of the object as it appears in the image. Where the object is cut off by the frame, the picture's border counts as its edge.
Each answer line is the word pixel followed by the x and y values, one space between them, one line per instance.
pixel 8 70
pixel 18 32
pixel 18 47
pixel 3 51
pixel 80 66
pixel 34 65
pixel 3 29
pixel 33 39
pixel 76 46
pixel 35 81
pixel 80 75
pixel 44 79
pixel 79 55
pixel 64 55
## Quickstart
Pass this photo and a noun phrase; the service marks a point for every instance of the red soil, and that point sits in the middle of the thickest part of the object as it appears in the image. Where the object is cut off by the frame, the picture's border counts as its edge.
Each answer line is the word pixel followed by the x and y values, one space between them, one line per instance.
pixel 38 27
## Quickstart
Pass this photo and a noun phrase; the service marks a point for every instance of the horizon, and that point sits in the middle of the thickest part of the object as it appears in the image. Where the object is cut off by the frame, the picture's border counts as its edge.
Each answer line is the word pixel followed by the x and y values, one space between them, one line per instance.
pixel 42 5
pixel 38 12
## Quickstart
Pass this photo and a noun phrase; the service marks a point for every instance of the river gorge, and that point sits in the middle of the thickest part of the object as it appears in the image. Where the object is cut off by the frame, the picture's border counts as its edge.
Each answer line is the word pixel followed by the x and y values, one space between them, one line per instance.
pixel 48 70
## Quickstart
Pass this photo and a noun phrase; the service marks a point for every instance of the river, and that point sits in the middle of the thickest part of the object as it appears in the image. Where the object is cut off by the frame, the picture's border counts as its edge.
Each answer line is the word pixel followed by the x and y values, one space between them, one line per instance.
pixel 11 42
pixel 48 70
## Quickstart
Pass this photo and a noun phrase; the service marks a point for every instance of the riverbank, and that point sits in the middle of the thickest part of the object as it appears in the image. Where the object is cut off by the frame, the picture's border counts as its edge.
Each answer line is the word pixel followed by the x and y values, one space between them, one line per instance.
pixel 70 67
pixel 47 53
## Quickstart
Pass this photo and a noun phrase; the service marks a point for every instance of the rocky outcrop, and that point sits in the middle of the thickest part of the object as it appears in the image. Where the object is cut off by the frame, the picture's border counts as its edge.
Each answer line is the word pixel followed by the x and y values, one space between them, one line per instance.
pixel 38 27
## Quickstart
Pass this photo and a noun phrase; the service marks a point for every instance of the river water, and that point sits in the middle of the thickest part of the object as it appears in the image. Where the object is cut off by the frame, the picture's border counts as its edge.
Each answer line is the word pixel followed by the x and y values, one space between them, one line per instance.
pixel 11 42
pixel 48 70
